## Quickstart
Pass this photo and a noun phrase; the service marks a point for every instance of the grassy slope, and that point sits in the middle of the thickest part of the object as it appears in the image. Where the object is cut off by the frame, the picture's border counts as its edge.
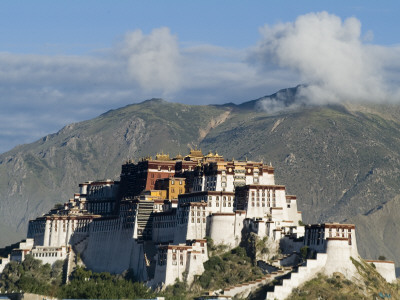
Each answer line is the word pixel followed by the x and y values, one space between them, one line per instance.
pixel 368 286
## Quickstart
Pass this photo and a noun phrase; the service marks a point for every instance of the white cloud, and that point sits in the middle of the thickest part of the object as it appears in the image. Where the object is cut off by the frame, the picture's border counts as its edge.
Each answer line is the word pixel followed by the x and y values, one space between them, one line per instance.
pixel 318 49
pixel 153 60
pixel 48 92
pixel 330 57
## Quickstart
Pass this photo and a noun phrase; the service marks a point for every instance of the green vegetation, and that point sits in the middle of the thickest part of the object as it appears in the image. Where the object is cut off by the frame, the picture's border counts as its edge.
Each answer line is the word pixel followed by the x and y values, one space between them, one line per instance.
pixel 32 276
pixel 307 253
pixel 370 285
pixel 215 249
pixel 85 284
pixel 322 287
pixel 304 252
pixel 228 269
pixel 221 270
pixel 257 248
pixel 179 291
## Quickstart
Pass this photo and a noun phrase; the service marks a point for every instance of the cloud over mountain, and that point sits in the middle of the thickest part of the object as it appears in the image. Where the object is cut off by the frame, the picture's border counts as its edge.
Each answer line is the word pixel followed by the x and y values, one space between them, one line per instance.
pixel 42 93
pixel 331 57
pixel 153 60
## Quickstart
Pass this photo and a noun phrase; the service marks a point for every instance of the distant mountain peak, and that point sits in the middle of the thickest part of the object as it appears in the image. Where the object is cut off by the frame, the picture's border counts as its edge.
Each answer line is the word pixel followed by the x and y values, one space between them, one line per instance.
pixel 282 99
pixel 155 101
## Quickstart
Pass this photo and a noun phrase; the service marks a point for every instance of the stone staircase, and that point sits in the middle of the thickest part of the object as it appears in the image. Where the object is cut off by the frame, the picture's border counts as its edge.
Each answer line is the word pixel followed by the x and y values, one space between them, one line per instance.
pixel 278 270
pixel 291 259
pixel 267 267
pixel 71 260
pixel 244 289
pixel 284 288
pixel 145 220
pixel 69 265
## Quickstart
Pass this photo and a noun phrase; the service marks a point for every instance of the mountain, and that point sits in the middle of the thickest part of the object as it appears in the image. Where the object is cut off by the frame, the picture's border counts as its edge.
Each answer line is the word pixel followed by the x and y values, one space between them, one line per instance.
pixel 341 161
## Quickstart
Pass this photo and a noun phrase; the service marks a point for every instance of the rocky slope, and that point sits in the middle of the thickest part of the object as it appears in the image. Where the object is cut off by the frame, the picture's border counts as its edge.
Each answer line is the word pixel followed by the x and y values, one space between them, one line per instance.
pixel 341 161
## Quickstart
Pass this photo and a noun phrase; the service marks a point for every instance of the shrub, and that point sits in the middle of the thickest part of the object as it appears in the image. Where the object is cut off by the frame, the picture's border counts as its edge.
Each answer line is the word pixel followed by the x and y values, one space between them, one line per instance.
pixel 304 251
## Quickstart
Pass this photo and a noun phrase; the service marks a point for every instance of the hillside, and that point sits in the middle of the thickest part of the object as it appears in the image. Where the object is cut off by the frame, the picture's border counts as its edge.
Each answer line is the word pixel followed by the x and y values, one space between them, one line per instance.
pixel 341 161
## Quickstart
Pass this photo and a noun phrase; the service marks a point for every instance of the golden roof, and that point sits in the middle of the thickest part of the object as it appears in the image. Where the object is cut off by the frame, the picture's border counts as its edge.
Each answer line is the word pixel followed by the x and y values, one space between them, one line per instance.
pixel 162 156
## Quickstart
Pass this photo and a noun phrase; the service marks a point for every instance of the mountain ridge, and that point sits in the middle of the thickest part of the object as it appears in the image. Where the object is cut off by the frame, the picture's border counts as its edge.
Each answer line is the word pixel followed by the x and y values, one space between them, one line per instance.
pixel 340 160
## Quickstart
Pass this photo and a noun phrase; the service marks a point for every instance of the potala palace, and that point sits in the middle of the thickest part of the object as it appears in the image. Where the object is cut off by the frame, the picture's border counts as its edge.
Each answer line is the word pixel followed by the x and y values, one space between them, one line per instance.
pixel 155 221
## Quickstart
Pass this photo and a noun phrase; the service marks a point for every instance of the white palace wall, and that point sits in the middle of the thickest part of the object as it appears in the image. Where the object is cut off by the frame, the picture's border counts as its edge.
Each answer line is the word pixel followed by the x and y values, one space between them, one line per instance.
pixel 182 262
pixel 339 252
pixel 226 228
pixel 109 246
pixel 49 255
pixel 386 269
pixel 232 199
pixel 164 226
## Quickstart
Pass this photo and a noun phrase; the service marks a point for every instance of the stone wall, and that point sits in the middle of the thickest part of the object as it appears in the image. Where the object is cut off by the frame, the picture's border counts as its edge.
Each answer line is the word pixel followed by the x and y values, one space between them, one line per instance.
pixel 385 268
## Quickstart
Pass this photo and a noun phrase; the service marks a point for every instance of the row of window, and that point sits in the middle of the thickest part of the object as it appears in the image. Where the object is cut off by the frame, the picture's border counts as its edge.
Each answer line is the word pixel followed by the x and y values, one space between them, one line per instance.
pixel 198 213
pixel 224 204
pixel 47 254
pixel 199 220
pixel 263 204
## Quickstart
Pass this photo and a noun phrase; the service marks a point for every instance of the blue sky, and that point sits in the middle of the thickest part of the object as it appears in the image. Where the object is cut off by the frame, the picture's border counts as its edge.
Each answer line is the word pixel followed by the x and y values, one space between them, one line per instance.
pixel 67 61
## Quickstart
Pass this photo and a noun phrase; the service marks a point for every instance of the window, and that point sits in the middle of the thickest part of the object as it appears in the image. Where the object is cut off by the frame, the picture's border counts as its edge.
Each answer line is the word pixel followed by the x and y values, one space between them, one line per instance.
pixel 180 182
